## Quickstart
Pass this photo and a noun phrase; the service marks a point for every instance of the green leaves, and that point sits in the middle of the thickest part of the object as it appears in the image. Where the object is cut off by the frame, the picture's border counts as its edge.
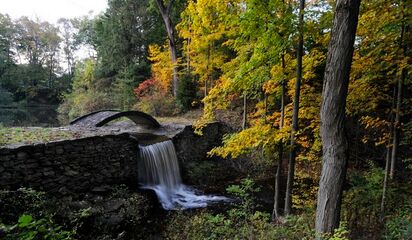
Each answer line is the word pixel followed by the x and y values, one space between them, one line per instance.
pixel 27 228
pixel 24 220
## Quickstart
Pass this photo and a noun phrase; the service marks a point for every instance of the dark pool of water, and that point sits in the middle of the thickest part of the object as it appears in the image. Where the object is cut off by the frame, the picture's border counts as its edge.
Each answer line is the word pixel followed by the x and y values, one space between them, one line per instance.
pixel 29 116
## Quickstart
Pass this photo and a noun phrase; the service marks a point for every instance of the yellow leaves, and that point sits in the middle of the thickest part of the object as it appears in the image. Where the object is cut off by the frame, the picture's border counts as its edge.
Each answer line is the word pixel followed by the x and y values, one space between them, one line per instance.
pixel 162 67
pixel 311 62
pixel 274 83
pixel 240 143
pixel 307 190
pixel 377 130
pixel 363 97
pixel 218 98
pixel 207 24
pixel 84 76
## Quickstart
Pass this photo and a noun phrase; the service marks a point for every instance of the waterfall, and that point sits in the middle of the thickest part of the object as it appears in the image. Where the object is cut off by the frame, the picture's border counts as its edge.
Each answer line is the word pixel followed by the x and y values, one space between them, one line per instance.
pixel 159 171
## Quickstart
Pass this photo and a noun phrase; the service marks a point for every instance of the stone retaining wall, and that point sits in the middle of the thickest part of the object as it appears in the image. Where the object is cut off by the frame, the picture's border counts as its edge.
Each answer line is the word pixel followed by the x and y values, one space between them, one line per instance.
pixel 92 163
pixel 70 166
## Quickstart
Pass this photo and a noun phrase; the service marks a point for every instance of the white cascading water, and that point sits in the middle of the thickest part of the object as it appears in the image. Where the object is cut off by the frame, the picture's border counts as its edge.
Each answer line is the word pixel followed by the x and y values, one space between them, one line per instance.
pixel 159 171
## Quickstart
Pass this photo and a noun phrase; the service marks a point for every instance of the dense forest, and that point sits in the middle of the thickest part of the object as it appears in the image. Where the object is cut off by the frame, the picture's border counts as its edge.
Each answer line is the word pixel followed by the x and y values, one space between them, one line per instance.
pixel 318 95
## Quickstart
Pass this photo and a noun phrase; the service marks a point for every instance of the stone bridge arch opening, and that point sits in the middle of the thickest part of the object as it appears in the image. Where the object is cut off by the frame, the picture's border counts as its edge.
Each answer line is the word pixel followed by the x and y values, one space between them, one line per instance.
pixel 100 118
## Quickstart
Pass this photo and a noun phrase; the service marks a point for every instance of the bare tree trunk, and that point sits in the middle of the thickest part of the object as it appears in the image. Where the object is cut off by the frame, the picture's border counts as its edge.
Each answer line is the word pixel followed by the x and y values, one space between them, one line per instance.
pixel 188 55
pixel 397 125
pixel 388 156
pixel 165 12
pixel 295 118
pixel 51 67
pixel 332 115
pixel 275 212
pixel 205 92
pixel 244 122
pixel 385 180
pixel 207 68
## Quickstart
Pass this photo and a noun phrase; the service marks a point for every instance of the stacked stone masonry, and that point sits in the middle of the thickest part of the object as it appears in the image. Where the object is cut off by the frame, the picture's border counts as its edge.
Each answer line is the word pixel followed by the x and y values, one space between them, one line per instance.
pixel 70 166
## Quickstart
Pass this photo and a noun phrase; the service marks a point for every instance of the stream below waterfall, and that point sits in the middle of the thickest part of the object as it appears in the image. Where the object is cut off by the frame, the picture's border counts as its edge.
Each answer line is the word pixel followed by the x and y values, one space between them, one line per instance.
pixel 159 171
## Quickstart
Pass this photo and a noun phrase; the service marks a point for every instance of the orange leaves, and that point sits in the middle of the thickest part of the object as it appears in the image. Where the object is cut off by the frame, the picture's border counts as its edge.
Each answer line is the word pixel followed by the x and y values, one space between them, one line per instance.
pixel 162 67
pixel 377 130
pixel 145 88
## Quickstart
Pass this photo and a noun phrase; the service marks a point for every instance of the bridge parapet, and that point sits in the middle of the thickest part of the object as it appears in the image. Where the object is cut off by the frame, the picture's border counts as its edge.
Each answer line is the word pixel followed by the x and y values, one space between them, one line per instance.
pixel 100 118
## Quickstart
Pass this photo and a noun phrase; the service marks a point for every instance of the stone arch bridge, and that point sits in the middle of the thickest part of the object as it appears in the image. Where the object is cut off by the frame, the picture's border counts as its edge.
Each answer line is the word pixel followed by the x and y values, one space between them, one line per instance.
pixel 100 118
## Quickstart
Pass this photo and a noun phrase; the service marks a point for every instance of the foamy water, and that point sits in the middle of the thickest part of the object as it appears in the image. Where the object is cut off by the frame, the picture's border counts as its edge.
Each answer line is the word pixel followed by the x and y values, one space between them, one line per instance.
pixel 159 171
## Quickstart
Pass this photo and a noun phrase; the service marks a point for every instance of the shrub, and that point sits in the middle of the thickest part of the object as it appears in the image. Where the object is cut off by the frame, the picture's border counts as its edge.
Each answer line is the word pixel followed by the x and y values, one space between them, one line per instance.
pixel 28 228
pixel 157 105
pixel 241 221
pixel 86 96
pixel 361 203
pixel 399 225
pixel 6 97
pixel 153 101
pixel 186 93
pixel 16 203
pixel 79 103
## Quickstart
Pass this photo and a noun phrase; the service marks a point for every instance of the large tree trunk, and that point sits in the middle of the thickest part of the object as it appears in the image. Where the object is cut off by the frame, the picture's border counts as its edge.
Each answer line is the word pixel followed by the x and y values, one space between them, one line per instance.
pixel 165 12
pixel 295 118
pixel 332 115
pixel 275 212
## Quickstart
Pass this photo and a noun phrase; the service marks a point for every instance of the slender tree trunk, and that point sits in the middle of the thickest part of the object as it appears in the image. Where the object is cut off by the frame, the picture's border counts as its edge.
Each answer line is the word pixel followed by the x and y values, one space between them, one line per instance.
pixel 205 92
pixel 51 71
pixel 244 122
pixel 295 118
pixel 68 67
pixel 275 212
pixel 332 115
pixel 396 128
pixel 207 68
pixel 265 114
pixel 385 180
pixel 165 12
pixel 188 55
pixel 388 155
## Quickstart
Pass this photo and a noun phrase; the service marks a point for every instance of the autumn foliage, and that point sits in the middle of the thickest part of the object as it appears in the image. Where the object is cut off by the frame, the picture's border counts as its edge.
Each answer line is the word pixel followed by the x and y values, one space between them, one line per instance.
pixel 146 88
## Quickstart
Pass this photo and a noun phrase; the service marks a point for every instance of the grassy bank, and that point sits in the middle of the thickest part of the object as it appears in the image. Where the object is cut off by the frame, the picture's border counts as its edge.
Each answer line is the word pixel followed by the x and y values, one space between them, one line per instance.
pixel 28 135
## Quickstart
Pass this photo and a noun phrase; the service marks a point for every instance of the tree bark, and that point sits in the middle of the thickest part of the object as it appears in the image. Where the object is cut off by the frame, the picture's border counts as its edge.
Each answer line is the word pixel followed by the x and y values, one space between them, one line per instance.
pixel 207 69
pixel 388 156
pixel 397 125
pixel 332 115
pixel 244 122
pixel 385 181
pixel 275 213
pixel 165 12
pixel 295 118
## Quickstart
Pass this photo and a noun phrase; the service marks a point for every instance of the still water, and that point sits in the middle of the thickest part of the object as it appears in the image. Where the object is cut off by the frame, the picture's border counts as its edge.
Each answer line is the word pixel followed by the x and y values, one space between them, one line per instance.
pixel 29 116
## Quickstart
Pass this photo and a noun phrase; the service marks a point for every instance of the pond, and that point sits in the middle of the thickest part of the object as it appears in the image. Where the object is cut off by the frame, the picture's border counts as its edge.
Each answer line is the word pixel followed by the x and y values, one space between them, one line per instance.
pixel 29 116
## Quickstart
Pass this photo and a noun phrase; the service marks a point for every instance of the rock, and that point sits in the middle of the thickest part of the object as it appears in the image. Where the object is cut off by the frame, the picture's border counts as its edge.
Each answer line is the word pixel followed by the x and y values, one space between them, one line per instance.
pixel 101 189
pixel 59 150
pixel 49 173
pixel 197 167
pixel 22 155
pixel 114 205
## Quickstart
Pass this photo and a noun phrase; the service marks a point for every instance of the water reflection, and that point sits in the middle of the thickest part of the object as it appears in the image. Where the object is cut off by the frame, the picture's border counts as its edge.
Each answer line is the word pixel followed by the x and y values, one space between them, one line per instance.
pixel 29 116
